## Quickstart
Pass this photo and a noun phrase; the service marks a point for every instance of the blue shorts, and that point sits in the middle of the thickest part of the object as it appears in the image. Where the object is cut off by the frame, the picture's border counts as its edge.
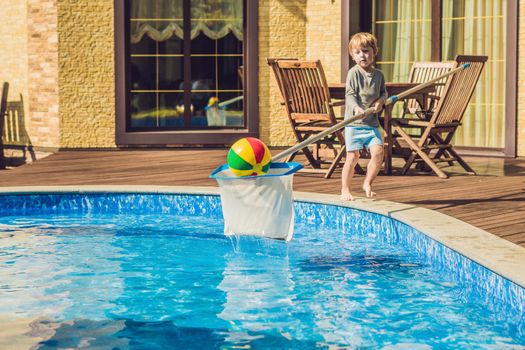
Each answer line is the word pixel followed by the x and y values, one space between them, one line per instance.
pixel 357 137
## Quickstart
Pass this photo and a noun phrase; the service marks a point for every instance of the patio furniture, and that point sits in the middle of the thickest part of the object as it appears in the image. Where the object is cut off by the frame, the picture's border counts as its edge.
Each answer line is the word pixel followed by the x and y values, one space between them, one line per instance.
pixel 240 73
pixel 433 144
pixel 272 62
pixel 3 109
pixel 337 90
pixel 309 107
pixel 420 73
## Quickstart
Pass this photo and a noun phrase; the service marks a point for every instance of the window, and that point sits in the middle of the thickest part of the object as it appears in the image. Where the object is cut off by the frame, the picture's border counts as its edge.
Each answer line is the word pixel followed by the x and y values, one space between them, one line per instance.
pixel 425 30
pixel 403 28
pixel 477 27
pixel 182 71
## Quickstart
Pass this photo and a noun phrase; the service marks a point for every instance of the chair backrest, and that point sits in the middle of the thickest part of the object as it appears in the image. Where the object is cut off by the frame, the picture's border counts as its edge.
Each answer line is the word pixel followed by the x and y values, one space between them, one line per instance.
pixel 15 132
pixel 424 71
pixel 305 90
pixel 240 72
pixel 459 90
pixel 272 62
pixel 3 109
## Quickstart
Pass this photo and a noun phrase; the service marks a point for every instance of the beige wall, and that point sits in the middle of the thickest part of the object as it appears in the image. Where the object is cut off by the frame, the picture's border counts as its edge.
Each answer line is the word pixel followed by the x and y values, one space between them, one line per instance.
pixel 59 59
pixel 323 36
pixel 294 28
pixel 521 79
pixel 13 54
pixel 42 47
pixel 29 58
pixel 86 78
pixel 282 26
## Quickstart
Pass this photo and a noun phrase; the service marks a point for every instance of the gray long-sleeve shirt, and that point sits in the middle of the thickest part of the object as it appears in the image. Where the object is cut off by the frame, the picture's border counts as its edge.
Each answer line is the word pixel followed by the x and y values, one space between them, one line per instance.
pixel 362 89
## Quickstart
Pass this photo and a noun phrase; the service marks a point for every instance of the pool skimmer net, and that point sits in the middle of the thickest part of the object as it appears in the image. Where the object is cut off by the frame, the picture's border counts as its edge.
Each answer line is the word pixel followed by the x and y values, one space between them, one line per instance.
pixel 258 205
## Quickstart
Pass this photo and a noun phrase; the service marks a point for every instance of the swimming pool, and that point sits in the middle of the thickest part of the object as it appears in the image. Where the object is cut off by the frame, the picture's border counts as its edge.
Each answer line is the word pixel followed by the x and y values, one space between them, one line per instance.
pixel 153 270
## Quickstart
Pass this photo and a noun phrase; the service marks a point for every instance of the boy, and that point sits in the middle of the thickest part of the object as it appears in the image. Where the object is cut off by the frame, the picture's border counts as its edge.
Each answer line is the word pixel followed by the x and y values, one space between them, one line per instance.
pixel 365 88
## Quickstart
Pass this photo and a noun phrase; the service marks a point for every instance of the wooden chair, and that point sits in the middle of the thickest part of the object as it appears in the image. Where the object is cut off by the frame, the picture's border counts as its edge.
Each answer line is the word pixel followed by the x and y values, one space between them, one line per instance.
pixel 433 144
pixel 309 107
pixel 240 72
pixel 272 62
pixel 422 72
pixel 3 109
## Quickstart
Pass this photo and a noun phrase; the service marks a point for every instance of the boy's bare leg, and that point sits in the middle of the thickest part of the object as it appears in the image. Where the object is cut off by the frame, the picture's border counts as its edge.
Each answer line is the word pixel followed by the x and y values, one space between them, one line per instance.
pixel 347 175
pixel 377 155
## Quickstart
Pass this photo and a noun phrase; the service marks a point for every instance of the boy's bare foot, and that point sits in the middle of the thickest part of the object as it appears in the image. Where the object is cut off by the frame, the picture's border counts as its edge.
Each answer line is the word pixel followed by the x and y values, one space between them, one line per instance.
pixel 346 196
pixel 368 191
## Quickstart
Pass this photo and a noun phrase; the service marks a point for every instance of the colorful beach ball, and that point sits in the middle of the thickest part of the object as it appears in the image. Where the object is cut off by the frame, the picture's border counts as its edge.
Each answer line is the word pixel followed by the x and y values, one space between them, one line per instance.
pixel 249 157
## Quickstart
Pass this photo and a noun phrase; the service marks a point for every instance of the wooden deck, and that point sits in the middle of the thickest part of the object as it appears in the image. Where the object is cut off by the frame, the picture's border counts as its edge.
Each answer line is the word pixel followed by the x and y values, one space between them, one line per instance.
pixel 494 200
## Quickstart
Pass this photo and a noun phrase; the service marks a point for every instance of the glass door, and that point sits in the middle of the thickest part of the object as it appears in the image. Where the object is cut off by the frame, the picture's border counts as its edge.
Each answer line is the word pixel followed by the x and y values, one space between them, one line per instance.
pixel 185 59
pixel 478 27
pixel 468 27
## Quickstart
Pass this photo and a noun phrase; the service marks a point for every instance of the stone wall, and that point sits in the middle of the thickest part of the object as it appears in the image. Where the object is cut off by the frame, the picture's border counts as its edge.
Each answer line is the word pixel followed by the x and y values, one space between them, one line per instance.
pixel 58 57
pixel 282 26
pixel 87 74
pixel 304 29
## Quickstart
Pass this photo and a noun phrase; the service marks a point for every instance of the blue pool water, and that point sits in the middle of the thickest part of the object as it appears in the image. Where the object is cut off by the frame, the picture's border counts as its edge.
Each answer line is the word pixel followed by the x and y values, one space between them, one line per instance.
pixel 144 271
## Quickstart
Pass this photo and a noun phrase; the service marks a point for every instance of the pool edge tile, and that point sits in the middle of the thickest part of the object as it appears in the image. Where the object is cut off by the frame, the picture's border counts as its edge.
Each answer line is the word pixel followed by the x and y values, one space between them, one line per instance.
pixel 498 255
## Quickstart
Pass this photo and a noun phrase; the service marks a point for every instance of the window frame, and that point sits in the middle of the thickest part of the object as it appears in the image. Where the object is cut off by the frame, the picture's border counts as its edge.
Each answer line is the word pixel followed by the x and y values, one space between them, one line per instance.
pixel 186 137
pixel 511 76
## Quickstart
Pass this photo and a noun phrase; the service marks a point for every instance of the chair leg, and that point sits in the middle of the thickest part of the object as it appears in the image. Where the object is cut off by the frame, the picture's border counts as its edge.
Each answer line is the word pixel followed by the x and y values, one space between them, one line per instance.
pixel 335 162
pixel 422 154
pixel 408 163
pixel 464 164
pixel 291 157
pixel 452 152
pixel 311 159
pixel 2 158
pixel 438 140
pixel 359 170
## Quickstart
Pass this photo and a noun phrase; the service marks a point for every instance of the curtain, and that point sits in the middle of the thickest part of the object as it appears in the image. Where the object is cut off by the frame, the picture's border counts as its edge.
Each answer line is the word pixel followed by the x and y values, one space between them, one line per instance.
pixel 162 19
pixel 404 33
pixel 403 29
pixel 477 27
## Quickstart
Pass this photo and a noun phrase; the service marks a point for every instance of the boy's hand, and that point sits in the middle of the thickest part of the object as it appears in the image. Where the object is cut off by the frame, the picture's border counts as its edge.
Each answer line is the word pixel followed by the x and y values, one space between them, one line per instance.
pixel 358 110
pixel 378 106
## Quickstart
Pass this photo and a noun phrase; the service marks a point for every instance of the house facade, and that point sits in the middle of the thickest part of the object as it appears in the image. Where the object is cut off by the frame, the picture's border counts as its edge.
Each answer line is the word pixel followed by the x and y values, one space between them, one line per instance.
pixel 103 74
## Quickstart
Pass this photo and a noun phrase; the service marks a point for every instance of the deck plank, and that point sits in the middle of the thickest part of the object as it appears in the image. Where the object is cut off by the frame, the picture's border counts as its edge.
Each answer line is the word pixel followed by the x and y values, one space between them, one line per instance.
pixel 493 200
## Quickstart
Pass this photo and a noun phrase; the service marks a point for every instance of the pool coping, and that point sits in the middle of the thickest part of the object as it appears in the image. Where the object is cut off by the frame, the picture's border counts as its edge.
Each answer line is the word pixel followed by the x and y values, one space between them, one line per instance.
pixel 497 254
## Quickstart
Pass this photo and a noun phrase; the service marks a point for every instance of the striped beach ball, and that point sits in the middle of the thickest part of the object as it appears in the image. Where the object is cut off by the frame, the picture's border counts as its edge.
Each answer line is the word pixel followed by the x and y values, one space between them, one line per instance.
pixel 249 157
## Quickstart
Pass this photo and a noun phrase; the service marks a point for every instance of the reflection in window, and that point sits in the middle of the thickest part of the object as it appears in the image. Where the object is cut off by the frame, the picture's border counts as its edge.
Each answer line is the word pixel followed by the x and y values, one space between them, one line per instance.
pixel 162 93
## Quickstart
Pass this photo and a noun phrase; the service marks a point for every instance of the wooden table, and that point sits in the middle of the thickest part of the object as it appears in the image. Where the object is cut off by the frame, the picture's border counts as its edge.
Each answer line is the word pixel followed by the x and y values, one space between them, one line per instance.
pixel 337 91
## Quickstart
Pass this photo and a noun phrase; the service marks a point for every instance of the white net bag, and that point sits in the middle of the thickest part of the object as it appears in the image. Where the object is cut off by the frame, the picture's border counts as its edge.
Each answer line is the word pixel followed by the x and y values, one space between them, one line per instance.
pixel 258 205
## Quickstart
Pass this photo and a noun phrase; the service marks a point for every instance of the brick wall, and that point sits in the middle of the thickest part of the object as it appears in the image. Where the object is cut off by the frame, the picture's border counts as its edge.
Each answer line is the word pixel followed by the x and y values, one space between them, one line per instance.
pixel 13 54
pixel 42 48
pixel 59 56
pixel 521 79
pixel 86 78
pixel 323 36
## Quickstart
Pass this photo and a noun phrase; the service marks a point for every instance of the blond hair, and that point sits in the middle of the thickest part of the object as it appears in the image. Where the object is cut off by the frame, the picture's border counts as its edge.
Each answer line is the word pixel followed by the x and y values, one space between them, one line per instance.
pixel 363 39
